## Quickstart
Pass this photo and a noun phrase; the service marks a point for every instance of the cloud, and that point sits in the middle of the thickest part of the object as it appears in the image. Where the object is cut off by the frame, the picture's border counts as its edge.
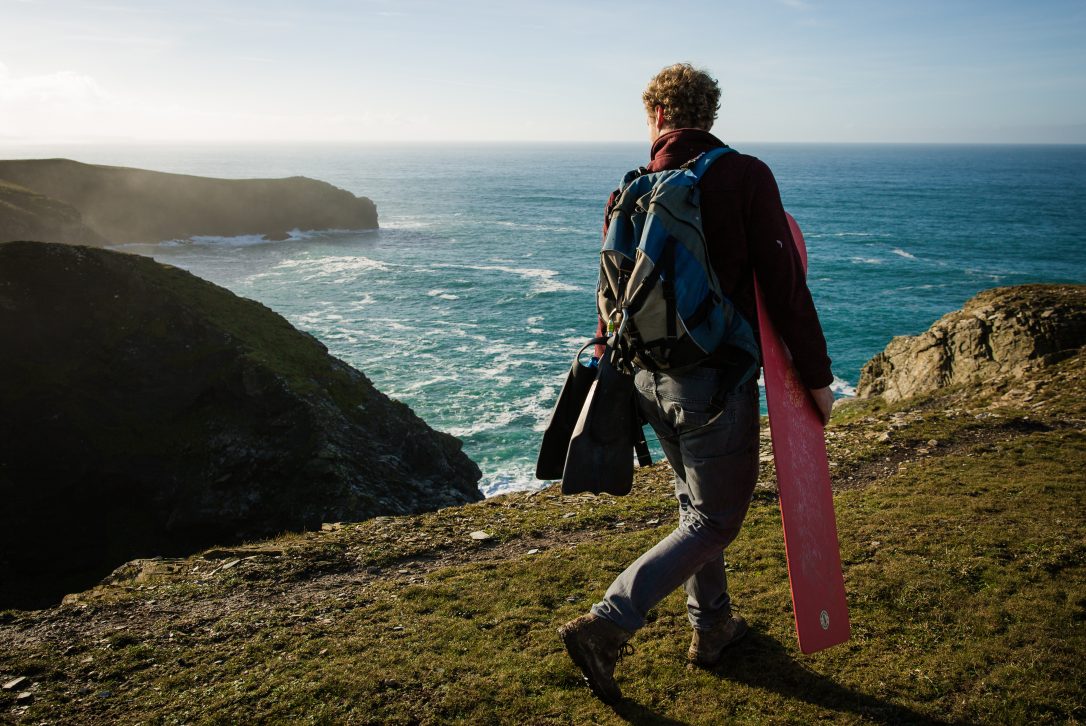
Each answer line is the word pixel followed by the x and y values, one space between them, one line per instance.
pixel 62 87
pixel 70 106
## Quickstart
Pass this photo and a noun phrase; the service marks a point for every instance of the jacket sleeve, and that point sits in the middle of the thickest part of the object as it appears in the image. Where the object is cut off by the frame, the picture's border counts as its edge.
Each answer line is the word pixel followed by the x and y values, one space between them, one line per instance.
pixel 783 282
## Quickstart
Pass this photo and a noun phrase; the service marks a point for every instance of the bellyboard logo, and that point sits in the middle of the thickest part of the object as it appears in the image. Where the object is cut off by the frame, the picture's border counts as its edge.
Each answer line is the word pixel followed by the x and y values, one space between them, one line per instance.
pixel 824 618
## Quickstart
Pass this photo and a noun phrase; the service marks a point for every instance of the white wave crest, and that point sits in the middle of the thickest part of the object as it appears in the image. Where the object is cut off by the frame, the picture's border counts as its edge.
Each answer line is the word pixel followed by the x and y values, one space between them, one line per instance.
pixel 902 253
pixel 512 478
pixel 243 240
pixel 554 229
pixel 842 387
pixel 343 269
pixel 543 280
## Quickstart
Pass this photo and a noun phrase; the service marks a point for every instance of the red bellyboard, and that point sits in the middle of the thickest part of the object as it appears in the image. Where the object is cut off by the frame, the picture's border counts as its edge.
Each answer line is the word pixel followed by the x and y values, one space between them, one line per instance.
pixel 803 479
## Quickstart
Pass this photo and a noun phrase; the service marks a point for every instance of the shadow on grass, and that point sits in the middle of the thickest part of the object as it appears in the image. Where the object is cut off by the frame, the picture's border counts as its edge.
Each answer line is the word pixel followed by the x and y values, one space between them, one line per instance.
pixel 760 661
pixel 635 713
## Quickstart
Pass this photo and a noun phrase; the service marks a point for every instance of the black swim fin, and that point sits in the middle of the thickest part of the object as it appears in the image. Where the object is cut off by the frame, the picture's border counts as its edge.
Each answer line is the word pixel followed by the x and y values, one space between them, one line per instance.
pixel 600 457
pixel 555 444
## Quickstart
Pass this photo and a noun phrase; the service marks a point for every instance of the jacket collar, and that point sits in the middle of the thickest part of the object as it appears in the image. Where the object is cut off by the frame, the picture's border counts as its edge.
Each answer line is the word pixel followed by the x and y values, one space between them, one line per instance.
pixel 672 149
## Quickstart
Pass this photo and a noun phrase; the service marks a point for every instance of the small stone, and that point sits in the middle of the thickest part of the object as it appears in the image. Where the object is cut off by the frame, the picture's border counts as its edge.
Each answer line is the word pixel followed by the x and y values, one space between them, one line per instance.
pixel 230 564
pixel 324 651
pixel 398 627
pixel 533 551
pixel 568 515
pixel 933 442
pixel 14 683
pixel 884 437
pixel 24 696
pixel 653 521
pixel 480 535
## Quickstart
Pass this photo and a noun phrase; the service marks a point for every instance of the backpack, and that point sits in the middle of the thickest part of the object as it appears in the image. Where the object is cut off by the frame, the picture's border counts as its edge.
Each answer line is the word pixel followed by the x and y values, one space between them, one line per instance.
pixel 657 289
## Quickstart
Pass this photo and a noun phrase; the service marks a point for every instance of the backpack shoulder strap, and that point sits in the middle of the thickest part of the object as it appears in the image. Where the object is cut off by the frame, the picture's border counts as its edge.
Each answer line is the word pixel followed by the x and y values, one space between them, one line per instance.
pixel 701 164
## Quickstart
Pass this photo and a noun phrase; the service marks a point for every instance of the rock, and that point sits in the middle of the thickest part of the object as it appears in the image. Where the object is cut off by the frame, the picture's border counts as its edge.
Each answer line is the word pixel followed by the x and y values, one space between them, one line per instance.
pixel 480 535
pixel 997 335
pixel 144 412
pixel 98 203
pixel 14 683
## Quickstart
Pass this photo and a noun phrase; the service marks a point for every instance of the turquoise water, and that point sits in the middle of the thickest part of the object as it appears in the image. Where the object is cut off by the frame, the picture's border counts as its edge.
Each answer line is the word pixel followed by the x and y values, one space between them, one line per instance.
pixel 470 300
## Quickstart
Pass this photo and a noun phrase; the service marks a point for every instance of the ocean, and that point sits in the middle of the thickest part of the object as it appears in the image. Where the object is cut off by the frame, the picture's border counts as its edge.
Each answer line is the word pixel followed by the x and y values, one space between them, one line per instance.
pixel 471 299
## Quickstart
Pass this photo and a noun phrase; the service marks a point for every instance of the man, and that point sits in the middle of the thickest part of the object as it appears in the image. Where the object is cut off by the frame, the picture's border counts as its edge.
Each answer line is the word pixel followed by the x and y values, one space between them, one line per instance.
pixel 715 459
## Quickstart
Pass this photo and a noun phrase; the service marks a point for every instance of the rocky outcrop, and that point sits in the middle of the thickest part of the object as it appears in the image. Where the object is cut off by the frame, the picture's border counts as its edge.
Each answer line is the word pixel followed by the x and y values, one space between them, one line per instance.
pixel 998 334
pixel 144 411
pixel 124 205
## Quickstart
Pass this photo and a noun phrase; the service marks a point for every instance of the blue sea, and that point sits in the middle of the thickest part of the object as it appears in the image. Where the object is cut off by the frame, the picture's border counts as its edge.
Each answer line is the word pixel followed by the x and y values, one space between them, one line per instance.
pixel 470 300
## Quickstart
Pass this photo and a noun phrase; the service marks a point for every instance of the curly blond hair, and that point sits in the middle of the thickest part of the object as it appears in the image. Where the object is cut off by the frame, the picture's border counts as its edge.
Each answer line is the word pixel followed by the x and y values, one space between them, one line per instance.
pixel 689 96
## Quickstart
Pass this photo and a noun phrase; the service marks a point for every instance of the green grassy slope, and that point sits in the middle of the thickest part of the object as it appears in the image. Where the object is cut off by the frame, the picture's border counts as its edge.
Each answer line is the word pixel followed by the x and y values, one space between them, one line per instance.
pixel 962 520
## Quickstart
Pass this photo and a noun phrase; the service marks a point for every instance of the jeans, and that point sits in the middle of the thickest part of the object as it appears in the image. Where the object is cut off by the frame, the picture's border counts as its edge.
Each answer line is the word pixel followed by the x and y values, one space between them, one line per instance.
pixel 716 468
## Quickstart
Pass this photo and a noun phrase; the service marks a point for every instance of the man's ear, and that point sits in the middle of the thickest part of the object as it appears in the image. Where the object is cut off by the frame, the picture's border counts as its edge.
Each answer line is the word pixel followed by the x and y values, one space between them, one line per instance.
pixel 659 117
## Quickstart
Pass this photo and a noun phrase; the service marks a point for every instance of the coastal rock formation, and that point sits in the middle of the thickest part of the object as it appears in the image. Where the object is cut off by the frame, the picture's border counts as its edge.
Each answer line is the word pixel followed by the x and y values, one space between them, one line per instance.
pixel 1000 333
pixel 144 412
pixel 124 205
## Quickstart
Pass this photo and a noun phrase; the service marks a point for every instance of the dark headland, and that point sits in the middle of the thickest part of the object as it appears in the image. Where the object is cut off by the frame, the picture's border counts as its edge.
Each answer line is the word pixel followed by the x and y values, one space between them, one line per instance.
pixel 144 411
pixel 59 200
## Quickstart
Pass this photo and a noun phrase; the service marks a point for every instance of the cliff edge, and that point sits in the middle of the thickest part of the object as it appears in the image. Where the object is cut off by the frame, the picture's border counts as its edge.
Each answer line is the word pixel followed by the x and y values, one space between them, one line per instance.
pixel 123 205
pixel 144 411
pixel 999 334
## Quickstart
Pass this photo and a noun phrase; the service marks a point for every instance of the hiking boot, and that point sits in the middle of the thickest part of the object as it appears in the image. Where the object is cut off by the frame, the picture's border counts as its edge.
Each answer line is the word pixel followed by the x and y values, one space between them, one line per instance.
pixel 595 644
pixel 708 645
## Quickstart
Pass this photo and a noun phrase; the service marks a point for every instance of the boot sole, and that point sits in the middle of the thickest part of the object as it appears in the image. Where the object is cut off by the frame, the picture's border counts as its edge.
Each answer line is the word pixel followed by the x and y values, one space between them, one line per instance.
pixel 581 661
pixel 692 660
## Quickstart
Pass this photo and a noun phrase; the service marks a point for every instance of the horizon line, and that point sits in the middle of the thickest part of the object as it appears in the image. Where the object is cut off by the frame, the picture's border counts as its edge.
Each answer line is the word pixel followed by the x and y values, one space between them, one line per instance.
pixel 480 142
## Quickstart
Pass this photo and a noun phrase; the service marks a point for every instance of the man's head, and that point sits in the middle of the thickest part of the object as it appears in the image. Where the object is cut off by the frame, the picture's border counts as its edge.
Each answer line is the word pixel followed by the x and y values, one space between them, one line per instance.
pixel 681 97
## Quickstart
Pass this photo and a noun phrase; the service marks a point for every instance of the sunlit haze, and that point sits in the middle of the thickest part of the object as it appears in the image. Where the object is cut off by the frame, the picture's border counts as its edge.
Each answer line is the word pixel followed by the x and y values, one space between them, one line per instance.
pixel 413 70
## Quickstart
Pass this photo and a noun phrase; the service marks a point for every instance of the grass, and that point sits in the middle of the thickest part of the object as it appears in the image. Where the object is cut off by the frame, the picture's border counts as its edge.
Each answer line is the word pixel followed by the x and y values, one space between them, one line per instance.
pixel 964 562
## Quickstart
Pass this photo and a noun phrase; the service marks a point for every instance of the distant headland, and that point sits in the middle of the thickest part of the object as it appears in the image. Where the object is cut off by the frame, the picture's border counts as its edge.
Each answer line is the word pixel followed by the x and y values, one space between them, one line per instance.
pixel 61 200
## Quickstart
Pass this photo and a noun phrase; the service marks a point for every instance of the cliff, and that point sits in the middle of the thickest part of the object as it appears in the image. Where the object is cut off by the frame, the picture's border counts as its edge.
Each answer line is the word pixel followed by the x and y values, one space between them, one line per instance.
pixel 123 205
pixel 25 214
pixel 961 514
pixel 144 411
pixel 1001 333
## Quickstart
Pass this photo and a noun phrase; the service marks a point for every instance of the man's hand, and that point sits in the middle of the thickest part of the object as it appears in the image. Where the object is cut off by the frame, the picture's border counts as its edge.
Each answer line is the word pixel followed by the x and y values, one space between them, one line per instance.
pixel 823 398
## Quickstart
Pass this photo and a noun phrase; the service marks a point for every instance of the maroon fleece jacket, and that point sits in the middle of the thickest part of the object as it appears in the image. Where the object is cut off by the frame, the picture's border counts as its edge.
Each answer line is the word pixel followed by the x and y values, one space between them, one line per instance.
pixel 747 234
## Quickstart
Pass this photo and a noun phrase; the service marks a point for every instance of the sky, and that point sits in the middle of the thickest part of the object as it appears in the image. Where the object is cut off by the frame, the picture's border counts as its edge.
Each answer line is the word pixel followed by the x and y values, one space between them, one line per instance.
pixel 569 70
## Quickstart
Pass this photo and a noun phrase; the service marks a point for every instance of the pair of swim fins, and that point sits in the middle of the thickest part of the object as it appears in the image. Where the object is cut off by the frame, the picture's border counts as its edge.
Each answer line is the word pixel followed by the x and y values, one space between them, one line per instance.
pixel 593 431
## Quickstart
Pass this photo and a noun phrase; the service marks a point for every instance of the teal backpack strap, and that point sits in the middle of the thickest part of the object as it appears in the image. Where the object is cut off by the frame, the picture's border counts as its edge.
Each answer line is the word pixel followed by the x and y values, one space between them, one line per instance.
pixel 701 164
